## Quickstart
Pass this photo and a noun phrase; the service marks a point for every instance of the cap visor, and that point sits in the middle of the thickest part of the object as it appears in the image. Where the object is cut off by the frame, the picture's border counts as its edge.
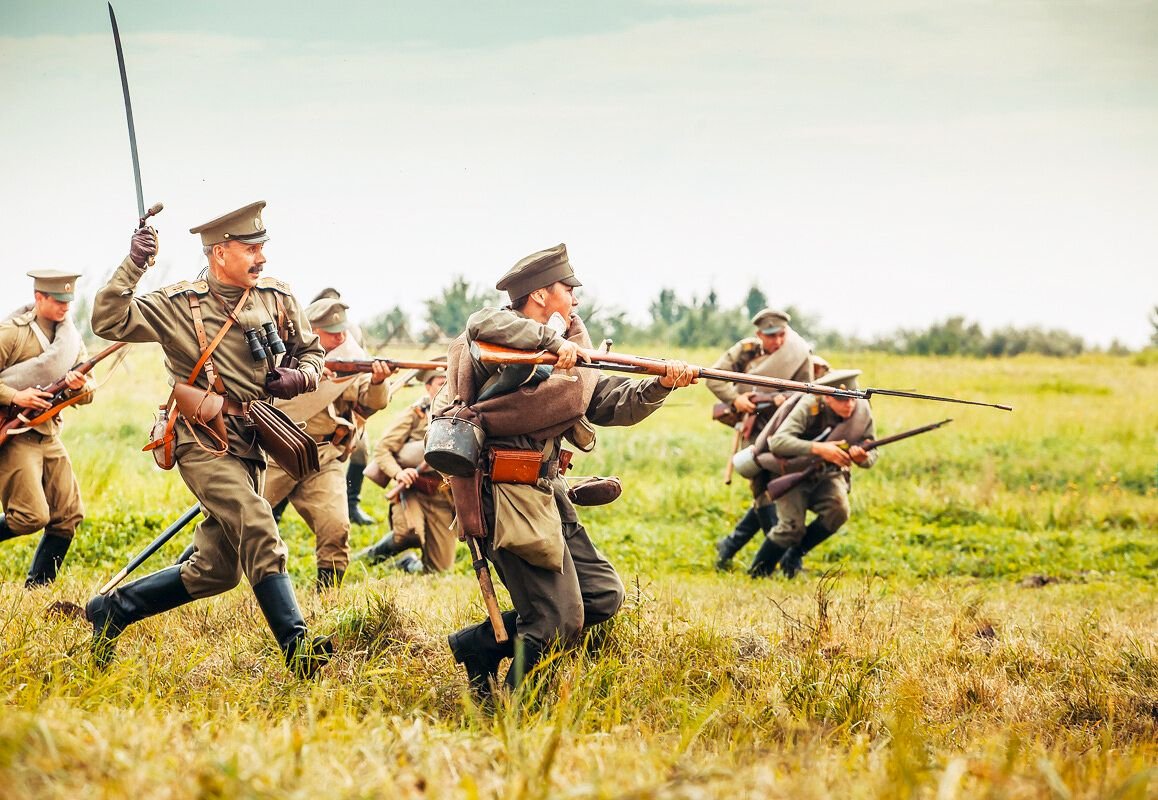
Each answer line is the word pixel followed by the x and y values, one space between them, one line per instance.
pixel 571 281
pixel 772 331
pixel 63 297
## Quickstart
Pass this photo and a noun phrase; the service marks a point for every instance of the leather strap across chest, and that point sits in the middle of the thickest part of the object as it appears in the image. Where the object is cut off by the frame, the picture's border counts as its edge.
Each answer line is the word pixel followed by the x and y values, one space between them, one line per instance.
pixel 207 349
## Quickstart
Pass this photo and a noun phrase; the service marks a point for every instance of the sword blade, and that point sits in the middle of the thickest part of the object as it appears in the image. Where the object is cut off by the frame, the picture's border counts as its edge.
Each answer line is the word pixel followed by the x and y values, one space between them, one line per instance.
pixel 128 114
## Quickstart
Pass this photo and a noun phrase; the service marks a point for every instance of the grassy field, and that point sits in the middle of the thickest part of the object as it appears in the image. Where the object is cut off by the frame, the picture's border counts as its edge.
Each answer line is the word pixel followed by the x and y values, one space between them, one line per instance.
pixel 984 626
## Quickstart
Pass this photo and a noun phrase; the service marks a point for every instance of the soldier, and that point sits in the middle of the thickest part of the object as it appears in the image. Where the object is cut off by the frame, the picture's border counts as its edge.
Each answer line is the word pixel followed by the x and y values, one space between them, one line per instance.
pixel 422 513
pixel 776 351
pixel 826 493
pixel 37 486
pixel 224 469
pixel 558 582
pixel 335 416
pixel 820 367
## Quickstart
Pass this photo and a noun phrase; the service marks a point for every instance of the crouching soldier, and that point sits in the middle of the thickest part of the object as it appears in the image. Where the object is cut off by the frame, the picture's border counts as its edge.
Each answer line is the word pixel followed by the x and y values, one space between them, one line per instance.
pixel 826 492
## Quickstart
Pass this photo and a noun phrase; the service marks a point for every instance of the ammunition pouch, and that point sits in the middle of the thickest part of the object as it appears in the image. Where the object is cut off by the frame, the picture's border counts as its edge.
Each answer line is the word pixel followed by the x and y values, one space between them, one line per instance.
pixel 525 466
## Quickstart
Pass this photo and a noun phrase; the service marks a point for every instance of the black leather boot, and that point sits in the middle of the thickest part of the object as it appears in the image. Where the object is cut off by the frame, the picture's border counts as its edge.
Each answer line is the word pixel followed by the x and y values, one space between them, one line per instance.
pixel 110 614
pixel 410 563
pixel 279 509
pixel 380 551
pixel 528 652
pixel 814 535
pixel 731 544
pixel 46 560
pixel 303 656
pixel 329 578
pixel 476 649
pixel 354 479
pixel 6 533
pixel 767 516
pixel 766 559
pixel 792 562
pixel 186 554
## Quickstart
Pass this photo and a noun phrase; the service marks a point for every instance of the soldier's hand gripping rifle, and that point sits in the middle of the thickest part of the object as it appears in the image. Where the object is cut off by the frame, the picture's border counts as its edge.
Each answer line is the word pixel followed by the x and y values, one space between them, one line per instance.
pixel 616 362
pixel 349 366
pixel 18 420
pixel 785 483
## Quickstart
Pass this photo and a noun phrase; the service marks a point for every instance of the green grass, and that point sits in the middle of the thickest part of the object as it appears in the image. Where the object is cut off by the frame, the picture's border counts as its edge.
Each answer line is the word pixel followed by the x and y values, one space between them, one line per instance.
pixel 912 660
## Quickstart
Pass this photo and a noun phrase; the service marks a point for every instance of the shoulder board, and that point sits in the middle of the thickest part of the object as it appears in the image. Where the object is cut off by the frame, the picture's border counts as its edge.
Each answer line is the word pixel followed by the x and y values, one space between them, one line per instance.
pixel 751 346
pixel 197 287
pixel 23 320
pixel 814 405
pixel 275 284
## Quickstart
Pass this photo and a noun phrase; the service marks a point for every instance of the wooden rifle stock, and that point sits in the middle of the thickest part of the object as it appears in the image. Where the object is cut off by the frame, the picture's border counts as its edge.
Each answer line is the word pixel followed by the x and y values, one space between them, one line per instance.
pixel 616 362
pixel 351 365
pixel 785 483
pixel 20 419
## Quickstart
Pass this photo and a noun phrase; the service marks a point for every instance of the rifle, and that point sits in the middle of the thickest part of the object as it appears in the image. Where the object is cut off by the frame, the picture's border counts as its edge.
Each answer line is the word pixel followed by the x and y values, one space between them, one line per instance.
pixel 349 366
pixel 726 414
pixel 21 419
pixel 489 353
pixel 786 483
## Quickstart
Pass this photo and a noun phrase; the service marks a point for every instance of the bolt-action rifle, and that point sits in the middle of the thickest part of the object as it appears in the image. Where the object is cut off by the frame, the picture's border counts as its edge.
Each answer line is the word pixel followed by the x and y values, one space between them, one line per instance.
pixel 616 362
pixel 785 483
pixel 348 366
pixel 19 420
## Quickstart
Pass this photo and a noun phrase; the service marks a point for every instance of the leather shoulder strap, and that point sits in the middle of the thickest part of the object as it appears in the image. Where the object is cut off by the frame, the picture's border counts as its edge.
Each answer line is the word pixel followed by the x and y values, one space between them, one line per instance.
pixel 207 349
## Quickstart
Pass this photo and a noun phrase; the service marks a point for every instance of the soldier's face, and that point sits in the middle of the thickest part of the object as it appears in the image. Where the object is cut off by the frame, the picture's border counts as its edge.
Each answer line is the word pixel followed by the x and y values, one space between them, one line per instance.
pixel 434 385
pixel 49 308
pixel 237 263
pixel 329 341
pixel 561 300
pixel 771 341
pixel 841 406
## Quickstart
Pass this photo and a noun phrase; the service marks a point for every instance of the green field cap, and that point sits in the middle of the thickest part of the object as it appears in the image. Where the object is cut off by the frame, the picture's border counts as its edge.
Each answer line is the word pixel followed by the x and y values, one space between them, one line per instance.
pixel 840 378
pixel 55 283
pixel 770 321
pixel 538 270
pixel 243 225
pixel 329 292
pixel 328 315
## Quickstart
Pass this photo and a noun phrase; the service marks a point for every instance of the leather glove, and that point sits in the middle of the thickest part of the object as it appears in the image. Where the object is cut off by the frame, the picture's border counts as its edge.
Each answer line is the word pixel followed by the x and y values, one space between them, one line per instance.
pixel 284 383
pixel 143 246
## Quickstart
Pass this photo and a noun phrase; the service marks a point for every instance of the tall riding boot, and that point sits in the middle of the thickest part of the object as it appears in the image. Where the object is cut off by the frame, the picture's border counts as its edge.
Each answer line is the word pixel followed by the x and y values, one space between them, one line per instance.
pixel 279 509
pixel 46 560
pixel 476 649
pixel 186 554
pixel 380 551
pixel 793 561
pixel 528 652
pixel 766 559
pixel 354 479
pixel 731 544
pixel 303 656
pixel 6 533
pixel 767 516
pixel 110 614
pixel 329 578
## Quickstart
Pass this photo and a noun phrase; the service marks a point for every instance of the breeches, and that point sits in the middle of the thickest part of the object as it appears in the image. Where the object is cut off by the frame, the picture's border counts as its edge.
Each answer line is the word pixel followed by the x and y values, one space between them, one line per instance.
pixel 321 500
pixel 423 520
pixel 238 535
pixel 37 486
pixel 558 605
pixel 827 496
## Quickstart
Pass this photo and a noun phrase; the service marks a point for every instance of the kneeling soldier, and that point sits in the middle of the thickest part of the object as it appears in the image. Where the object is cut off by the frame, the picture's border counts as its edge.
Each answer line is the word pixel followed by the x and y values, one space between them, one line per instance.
pixel 220 459
pixel 825 493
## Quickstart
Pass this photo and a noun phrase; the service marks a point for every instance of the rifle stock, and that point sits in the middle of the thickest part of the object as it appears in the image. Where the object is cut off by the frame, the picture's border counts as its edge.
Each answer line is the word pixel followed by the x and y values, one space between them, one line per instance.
pixel 489 353
pixel 20 419
pixel 351 365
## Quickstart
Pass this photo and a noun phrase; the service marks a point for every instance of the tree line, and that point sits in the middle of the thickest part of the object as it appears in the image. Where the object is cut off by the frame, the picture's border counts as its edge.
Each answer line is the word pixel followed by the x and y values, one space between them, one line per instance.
pixel 704 322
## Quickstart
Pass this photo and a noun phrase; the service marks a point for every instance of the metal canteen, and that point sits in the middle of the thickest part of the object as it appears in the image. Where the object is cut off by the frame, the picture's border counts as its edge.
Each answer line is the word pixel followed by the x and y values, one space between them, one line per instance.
pixel 744 461
pixel 454 446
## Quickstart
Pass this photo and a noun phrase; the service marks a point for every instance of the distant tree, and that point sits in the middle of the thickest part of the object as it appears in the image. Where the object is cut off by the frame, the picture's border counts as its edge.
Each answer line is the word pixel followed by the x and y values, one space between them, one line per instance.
pixel 446 315
pixel 388 326
pixel 755 301
pixel 1154 325
pixel 666 308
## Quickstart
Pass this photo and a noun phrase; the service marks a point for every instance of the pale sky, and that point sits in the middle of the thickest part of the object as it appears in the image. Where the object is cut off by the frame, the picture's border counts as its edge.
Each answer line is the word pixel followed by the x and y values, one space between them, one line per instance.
pixel 880 164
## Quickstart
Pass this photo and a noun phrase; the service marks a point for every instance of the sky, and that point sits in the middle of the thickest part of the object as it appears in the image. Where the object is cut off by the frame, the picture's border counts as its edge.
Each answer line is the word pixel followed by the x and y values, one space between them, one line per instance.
pixel 879 165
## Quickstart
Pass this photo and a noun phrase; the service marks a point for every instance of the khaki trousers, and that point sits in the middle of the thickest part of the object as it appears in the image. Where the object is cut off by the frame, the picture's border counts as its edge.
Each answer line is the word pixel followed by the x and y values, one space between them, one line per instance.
pixel 826 495
pixel 559 605
pixel 37 486
pixel 238 535
pixel 321 500
pixel 423 520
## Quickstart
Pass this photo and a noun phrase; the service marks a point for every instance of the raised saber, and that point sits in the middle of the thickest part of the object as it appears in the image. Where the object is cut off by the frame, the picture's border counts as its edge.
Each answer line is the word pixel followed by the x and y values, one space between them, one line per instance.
pixel 128 116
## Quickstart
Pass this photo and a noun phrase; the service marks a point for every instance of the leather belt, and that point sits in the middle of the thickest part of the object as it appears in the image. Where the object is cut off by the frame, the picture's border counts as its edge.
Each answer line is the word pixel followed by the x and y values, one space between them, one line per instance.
pixel 549 469
pixel 235 408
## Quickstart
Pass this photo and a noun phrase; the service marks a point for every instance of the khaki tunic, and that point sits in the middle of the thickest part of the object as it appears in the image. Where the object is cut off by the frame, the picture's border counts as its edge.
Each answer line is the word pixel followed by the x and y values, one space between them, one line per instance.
pixel 586 591
pixel 239 535
pixel 418 519
pixel 321 498
pixel 38 488
pixel 825 493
